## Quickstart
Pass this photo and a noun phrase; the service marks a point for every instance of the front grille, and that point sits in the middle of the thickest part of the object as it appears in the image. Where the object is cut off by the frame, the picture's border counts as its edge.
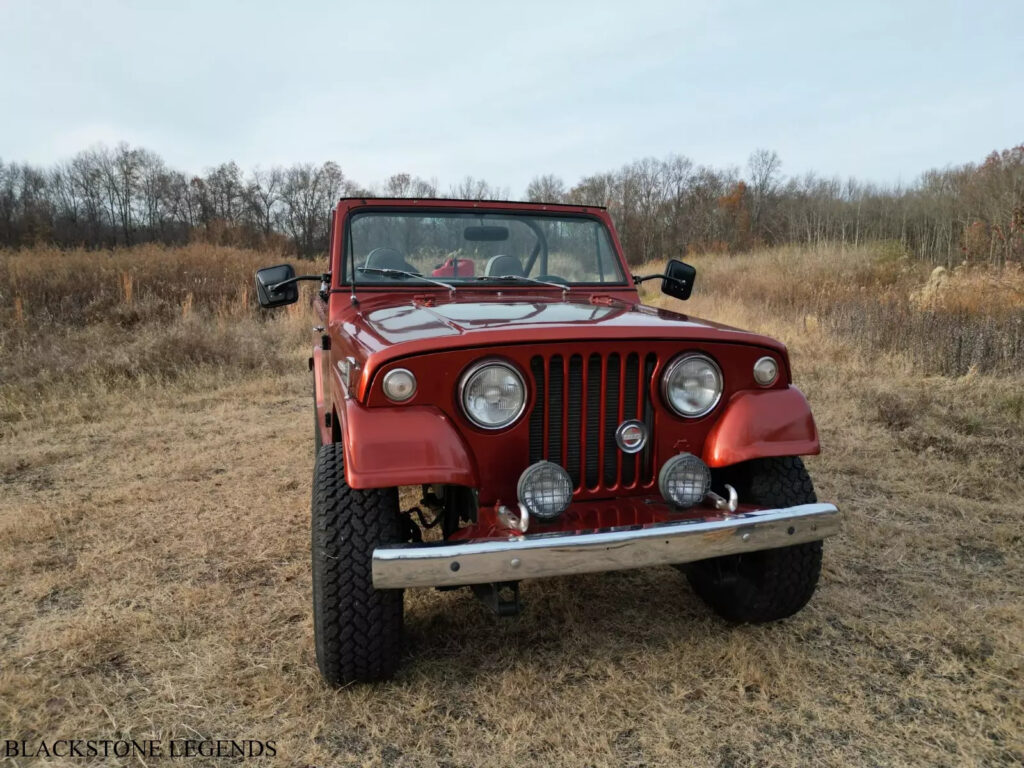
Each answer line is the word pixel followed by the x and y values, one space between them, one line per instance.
pixel 581 400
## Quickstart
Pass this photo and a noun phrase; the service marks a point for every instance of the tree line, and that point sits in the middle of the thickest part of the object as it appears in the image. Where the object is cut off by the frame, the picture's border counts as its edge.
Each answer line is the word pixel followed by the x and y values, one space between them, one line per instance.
pixel 105 197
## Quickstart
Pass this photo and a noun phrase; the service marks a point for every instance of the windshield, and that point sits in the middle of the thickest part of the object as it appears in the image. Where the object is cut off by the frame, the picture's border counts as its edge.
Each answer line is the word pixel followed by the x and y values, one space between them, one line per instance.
pixel 461 249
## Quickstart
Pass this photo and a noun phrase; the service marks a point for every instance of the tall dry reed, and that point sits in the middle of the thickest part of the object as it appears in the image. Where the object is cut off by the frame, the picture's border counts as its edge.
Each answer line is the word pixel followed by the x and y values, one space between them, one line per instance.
pixel 82 320
pixel 972 319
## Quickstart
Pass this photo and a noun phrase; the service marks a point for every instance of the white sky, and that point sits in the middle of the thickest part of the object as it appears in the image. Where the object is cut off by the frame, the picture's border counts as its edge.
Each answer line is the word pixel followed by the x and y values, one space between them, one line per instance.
pixel 507 91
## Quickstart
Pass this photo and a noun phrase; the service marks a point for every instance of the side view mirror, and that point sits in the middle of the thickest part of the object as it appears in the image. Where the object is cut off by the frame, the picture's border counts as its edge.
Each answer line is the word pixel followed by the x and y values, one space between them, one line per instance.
pixel 678 279
pixel 270 278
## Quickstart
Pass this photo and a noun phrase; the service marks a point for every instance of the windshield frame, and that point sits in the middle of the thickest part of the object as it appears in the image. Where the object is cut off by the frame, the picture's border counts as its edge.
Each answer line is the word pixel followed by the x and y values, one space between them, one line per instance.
pixel 345 276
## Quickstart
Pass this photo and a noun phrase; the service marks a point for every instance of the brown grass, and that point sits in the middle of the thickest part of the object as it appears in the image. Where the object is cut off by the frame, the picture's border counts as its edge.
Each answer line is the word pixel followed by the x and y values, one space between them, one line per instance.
pixel 154 577
pixel 972 319
pixel 77 324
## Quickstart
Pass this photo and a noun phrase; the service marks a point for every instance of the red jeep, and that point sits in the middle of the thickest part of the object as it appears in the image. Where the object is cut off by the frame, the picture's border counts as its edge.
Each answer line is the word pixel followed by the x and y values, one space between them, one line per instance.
pixel 555 424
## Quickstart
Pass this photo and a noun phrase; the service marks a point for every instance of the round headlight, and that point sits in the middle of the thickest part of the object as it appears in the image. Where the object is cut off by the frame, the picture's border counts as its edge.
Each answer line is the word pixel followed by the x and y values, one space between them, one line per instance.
pixel 399 385
pixel 766 371
pixel 684 480
pixel 493 394
pixel 545 489
pixel 692 385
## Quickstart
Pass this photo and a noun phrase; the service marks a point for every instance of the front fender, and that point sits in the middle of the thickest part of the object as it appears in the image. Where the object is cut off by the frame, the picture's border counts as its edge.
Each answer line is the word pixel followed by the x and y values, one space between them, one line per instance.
pixel 320 401
pixel 406 445
pixel 759 424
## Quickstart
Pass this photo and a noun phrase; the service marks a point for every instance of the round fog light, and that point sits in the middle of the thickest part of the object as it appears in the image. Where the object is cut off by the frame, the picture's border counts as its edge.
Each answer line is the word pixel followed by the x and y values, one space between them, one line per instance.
pixel 684 480
pixel 766 371
pixel 399 385
pixel 545 489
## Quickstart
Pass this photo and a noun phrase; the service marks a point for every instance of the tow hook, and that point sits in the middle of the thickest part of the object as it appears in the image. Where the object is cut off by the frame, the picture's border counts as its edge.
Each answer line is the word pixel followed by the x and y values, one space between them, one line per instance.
pixel 721 504
pixel 513 521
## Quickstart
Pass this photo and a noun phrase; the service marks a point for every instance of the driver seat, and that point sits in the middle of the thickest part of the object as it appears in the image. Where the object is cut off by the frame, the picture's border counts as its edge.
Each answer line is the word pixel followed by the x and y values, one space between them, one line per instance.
pixel 388 258
pixel 504 265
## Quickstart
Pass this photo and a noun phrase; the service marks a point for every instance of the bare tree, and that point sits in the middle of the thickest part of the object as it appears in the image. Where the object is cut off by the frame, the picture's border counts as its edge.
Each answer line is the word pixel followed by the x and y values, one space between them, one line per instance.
pixel 477 189
pixel 546 189
pixel 118 171
pixel 307 195
pixel 594 190
pixel 764 166
pixel 262 197
pixel 398 185
pixel 225 192
pixel 406 185
pixel 105 197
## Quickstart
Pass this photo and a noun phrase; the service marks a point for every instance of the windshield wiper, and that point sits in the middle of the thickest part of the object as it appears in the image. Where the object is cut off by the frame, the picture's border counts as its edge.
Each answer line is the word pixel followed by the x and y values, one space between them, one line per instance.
pixel 403 273
pixel 563 286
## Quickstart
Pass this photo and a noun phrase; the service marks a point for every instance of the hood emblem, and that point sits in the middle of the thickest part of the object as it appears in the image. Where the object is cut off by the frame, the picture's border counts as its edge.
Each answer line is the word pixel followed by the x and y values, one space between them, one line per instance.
pixel 631 436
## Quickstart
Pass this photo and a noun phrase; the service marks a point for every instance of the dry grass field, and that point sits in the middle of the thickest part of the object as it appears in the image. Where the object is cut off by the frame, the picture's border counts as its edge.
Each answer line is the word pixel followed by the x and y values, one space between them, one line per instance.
pixel 155 462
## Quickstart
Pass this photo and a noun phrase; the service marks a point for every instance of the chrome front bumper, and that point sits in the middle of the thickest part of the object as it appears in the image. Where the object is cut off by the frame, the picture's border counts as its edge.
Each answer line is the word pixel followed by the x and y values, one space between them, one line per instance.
pixel 482 561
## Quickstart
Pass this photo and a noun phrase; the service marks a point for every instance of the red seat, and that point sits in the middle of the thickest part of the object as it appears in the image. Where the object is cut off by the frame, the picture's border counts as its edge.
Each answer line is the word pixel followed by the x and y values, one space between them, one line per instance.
pixel 464 268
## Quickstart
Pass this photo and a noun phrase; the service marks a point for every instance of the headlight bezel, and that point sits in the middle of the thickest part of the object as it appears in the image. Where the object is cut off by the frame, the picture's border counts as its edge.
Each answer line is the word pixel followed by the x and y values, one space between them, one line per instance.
pixel 474 369
pixel 667 377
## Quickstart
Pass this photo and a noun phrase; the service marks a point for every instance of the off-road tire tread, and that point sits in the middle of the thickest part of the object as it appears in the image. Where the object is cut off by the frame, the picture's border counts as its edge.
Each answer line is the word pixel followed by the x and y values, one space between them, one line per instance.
pixel 358 629
pixel 771 584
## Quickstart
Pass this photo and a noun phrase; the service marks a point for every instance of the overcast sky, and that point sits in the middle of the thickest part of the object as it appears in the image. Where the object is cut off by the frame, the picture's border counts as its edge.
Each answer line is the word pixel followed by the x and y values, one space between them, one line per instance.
pixel 506 91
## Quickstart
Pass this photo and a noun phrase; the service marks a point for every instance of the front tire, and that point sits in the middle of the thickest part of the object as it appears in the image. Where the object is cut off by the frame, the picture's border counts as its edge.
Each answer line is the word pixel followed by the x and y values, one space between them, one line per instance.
pixel 357 629
pixel 772 584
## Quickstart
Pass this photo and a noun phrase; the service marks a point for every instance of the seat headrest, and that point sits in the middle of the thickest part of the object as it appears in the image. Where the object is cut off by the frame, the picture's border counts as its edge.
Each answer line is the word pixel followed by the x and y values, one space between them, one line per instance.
pixel 504 265
pixel 388 258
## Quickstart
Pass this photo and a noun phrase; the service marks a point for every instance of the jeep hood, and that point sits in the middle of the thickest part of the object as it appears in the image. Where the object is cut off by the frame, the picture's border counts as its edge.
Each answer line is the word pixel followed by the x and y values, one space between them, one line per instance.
pixel 395 330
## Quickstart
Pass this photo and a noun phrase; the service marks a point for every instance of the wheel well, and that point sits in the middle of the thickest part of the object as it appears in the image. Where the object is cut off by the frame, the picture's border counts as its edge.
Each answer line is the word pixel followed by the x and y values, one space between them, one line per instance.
pixel 335 427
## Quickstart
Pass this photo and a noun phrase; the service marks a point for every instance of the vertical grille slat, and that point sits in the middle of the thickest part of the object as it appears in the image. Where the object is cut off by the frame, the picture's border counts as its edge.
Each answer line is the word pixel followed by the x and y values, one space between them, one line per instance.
pixel 593 431
pixel 612 419
pixel 574 417
pixel 537 414
pixel 556 409
pixel 579 403
pixel 647 454
pixel 630 411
